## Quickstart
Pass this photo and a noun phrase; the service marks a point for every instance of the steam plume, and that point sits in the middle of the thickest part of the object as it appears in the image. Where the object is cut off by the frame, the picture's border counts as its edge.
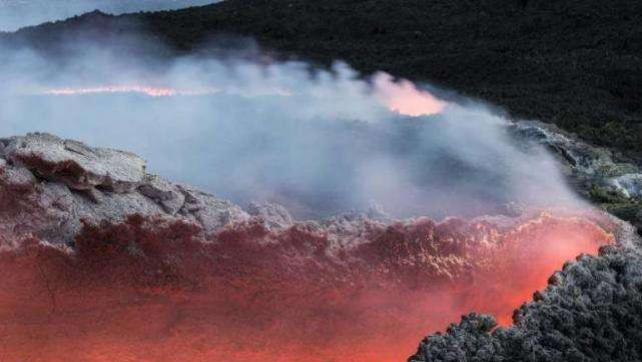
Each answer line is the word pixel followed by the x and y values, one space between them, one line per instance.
pixel 319 142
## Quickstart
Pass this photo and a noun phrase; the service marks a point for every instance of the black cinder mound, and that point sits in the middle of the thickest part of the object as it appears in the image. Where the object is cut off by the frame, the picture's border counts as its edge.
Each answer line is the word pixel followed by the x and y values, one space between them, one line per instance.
pixel 591 311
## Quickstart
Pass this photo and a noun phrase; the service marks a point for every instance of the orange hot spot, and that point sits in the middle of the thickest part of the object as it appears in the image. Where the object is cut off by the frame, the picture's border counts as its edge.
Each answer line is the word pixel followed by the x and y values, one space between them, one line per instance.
pixel 405 98
pixel 153 291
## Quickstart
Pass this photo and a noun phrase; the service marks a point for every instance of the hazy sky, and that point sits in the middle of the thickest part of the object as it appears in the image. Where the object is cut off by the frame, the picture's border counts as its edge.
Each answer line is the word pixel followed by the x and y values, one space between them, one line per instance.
pixel 15 14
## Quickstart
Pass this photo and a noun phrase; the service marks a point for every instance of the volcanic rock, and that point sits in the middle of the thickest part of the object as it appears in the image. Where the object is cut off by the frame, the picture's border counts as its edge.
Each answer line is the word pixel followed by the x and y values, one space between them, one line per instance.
pixel 76 165
pixel 591 311
pixel 168 195
pixel 629 185
pixel 584 159
pixel 67 182
pixel 274 215
pixel 596 172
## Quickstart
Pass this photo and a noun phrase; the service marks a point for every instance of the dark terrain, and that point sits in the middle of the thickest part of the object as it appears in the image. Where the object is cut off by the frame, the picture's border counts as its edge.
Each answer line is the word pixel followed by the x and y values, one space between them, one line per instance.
pixel 574 63
pixel 590 312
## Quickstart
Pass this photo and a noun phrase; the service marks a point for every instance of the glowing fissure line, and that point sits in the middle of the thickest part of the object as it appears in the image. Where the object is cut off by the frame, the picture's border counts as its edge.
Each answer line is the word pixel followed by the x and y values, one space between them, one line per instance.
pixel 402 97
pixel 149 91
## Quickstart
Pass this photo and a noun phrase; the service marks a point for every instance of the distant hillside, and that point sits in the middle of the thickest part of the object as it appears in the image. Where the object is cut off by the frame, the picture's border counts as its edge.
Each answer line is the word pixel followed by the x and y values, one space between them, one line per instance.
pixel 15 14
pixel 576 63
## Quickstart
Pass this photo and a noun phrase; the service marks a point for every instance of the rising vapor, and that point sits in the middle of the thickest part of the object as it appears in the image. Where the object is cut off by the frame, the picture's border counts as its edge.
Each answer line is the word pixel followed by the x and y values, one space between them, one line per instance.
pixel 319 142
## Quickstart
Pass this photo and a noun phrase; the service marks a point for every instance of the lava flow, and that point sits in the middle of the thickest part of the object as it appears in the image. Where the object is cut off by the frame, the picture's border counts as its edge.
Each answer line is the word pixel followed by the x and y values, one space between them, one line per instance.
pixel 154 290
pixel 402 97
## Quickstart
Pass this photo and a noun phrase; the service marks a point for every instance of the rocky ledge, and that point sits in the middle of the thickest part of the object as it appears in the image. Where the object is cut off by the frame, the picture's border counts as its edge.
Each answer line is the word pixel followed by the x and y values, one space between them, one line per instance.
pixel 55 184
pixel 50 186
pixel 606 178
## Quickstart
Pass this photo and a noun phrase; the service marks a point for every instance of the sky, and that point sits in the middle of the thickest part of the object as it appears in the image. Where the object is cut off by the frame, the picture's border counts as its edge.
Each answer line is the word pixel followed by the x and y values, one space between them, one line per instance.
pixel 15 14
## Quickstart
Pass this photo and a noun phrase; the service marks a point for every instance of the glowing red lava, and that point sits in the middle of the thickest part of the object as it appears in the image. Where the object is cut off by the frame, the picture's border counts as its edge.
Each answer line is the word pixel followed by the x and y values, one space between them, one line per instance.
pixel 153 291
pixel 146 90
pixel 402 97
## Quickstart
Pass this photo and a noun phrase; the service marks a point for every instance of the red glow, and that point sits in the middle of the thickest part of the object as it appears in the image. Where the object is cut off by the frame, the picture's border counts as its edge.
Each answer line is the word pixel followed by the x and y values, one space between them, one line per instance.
pixel 145 90
pixel 161 92
pixel 400 96
pixel 403 97
pixel 151 291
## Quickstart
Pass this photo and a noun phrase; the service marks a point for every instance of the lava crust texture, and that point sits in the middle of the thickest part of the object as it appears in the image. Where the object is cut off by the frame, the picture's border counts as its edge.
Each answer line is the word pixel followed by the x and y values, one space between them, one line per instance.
pixel 102 261
pixel 348 290
pixel 591 311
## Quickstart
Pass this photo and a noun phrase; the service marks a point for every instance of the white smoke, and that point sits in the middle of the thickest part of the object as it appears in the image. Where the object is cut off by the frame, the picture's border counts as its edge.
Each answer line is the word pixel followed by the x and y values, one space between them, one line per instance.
pixel 319 141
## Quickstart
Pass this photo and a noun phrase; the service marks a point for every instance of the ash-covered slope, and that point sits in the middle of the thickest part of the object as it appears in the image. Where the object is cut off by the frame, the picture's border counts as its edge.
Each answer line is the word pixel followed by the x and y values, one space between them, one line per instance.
pixel 591 311
pixel 53 184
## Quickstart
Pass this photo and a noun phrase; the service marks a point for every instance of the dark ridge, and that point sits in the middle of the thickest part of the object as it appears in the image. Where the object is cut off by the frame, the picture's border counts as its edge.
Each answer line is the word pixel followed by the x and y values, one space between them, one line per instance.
pixel 574 63
pixel 591 311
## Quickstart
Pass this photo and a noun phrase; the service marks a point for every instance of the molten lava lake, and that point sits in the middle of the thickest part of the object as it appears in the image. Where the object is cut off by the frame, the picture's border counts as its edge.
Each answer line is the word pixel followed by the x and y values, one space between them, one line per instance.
pixel 298 297
pixel 411 211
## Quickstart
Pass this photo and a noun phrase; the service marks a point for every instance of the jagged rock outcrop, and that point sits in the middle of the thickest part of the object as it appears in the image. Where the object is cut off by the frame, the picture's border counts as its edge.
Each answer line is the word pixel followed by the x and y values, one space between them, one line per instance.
pixel 57 183
pixel 74 164
pixel 598 173
pixel 274 215
pixel 596 165
pixel 591 311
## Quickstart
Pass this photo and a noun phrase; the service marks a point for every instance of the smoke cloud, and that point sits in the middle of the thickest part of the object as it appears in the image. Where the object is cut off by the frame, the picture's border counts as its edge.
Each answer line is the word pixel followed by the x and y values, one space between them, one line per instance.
pixel 321 142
